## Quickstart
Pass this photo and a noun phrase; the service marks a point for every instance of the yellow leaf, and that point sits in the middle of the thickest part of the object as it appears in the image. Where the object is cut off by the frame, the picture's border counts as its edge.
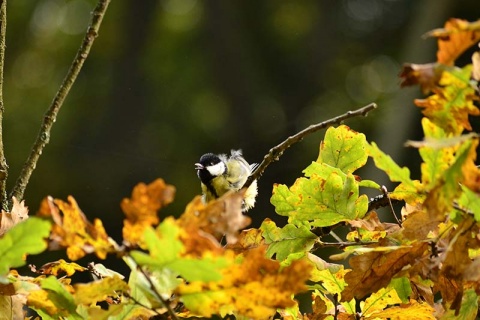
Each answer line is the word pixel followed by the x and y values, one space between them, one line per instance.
pixel 93 292
pixel 379 301
pixel 60 266
pixel 73 231
pixel 457 36
pixel 141 208
pixel 254 287
pixel 413 310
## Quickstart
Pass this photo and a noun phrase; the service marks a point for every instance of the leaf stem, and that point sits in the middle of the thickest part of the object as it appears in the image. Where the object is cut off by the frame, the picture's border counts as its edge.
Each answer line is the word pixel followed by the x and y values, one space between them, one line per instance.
pixel 3 161
pixel 392 210
pixel 157 294
pixel 51 114
pixel 276 152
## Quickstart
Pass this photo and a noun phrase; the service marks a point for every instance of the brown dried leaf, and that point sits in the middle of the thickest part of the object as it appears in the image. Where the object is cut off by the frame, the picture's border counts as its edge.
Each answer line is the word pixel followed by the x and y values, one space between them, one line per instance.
pixel 426 75
pixel 9 219
pixel 221 217
pixel 374 270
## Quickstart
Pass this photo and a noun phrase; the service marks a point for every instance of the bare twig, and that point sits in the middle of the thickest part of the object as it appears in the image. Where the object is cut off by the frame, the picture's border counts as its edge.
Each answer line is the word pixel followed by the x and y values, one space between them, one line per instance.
pixel 276 152
pixel 51 114
pixel 3 161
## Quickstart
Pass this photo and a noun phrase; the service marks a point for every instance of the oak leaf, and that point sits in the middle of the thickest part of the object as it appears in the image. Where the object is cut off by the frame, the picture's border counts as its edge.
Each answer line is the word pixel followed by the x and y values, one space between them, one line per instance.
pixel 58 267
pixel 452 102
pixel 456 37
pixel 219 218
pixel 141 208
pixel 374 270
pixel 73 231
pixel 426 75
pixel 412 310
pixel 254 287
pixel 18 214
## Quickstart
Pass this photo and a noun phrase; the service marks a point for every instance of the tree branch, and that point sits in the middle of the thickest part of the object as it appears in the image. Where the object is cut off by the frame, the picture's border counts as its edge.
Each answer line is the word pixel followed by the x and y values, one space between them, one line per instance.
pixel 276 152
pixel 3 161
pixel 51 114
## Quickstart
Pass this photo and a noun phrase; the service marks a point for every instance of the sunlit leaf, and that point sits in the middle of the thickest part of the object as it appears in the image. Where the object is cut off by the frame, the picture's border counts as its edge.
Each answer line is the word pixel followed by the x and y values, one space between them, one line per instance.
pixel 99 290
pixel 284 241
pixel 402 287
pixel 141 208
pixel 379 300
pixel 27 237
pixel 453 101
pixel 456 37
pixel 253 287
pixel 327 197
pixel 440 199
pixel 59 267
pixel 412 310
pixel 470 201
pixel 385 163
pixel 54 299
pixel 343 148
pixel 165 252
pixel 73 231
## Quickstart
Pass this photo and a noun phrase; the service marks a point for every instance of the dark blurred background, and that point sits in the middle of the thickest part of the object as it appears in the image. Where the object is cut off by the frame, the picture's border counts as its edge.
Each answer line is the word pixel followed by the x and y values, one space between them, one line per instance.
pixel 167 81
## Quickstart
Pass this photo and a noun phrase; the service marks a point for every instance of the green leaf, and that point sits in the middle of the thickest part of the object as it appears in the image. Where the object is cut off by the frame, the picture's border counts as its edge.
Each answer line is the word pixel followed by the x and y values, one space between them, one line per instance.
pixel 468 309
pixel 60 297
pixel 27 237
pixel 333 282
pixel 165 252
pixel 328 197
pixel 287 240
pixel 343 148
pixel 470 201
pixel 402 287
pixel 284 200
pixel 385 163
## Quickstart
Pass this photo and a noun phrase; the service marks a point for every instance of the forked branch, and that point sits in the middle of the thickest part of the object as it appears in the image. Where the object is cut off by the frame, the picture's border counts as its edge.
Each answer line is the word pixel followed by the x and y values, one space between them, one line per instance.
pixel 276 152
pixel 51 114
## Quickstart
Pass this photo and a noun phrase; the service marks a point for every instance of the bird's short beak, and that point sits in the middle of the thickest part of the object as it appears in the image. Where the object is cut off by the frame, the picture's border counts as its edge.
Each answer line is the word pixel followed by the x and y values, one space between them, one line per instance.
pixel 199 166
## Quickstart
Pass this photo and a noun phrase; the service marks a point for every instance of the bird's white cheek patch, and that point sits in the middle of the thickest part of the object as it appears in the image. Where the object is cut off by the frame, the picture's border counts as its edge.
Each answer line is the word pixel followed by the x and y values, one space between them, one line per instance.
pixel 217 169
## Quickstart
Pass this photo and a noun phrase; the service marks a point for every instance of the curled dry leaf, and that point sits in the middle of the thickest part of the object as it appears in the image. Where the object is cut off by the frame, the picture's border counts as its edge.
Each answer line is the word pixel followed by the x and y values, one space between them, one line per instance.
pixel 426 75
pixel 141 208
pixel 73 231
pixel 9 219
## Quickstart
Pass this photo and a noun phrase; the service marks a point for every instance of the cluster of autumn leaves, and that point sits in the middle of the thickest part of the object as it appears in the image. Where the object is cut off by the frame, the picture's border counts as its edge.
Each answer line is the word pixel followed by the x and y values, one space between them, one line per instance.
pixel 204 263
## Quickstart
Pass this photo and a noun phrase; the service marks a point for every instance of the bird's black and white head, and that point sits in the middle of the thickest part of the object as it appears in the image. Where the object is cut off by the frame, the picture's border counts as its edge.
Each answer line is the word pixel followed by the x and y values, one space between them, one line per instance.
pixel 210 166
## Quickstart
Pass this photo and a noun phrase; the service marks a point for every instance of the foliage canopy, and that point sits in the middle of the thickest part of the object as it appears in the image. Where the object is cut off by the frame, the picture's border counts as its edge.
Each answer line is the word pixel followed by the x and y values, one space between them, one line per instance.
pixel 426 266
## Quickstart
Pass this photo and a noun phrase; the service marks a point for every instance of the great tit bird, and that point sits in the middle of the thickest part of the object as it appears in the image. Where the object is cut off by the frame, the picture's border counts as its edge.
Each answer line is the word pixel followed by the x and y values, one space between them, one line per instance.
pixel 219 174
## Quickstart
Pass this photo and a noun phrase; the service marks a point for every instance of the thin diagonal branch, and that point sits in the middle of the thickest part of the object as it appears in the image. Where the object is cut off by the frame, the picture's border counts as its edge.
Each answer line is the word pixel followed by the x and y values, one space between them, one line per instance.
pixel 51 114
pixel 276 152
pixel 3 161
